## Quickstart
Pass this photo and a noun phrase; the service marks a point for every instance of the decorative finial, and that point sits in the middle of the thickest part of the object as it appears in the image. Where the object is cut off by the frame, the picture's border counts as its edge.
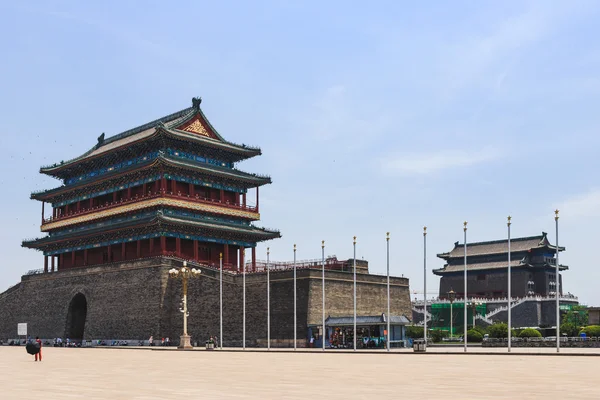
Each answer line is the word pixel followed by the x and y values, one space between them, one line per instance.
pixel 220 255
pixel 322 243
pixel 196 102
pixel 509 218
pixel 387 236
pixel 465 226
pixel 100 140
pixel 268 250
pixel 354 239
pixel 556 214
pixel 294 247
pixel 424 230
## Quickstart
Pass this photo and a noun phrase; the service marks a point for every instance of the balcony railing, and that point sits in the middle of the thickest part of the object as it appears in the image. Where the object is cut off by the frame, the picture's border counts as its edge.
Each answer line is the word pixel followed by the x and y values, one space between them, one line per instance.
pixel 148 196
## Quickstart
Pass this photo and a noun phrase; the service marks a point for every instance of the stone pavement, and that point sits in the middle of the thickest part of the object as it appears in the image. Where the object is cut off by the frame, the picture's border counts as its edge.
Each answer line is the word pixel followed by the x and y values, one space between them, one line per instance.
pixel 169 374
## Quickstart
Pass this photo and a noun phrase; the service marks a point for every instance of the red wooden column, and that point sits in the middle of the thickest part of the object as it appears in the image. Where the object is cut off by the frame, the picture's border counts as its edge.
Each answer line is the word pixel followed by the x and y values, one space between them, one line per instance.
pixel 138 252
pixel 144 186
pixel 61 261
pixel 244 199
pixel 66 209
pixel 174 186
pixel 43 203
pixel 52 261
pixel 109 254
pixel 128 193
pixel 163 184
pixel 92 203
pixel 178 247
pixel 151 246
pixel 85 254
pixel 123 254
pixel 46 264
pixel 72 260
pixel 191 190
pixel 115 196
pixel 257 199
pixel 196 250
pixel 163 244
pixel 226 254
pixel 254 259
pixel 222 195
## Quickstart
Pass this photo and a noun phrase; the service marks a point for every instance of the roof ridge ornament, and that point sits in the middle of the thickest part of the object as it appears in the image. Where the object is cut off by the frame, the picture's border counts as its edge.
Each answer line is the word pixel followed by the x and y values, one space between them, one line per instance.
pixel 100 140
pixel 196 102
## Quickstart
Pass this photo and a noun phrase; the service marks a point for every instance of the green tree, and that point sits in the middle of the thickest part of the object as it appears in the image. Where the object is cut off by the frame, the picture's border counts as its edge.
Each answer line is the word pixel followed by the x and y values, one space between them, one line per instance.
pixel 529 333
pixel 569 329
pixel 578 316
pixel 414 332
pixel 474 336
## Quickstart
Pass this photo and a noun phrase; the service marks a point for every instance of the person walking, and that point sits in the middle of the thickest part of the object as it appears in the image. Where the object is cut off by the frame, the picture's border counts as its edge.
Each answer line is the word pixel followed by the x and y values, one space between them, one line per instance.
pixel 39 353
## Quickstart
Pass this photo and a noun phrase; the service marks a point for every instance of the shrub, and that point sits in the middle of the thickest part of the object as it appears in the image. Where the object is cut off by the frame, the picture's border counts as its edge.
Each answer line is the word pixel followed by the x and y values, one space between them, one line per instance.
pixel 479 329
pixel 474 336
pixel 529 333
pixel 498 330
pixel 591 330
pixel 414 332
pixel 437 335
pixel 569 329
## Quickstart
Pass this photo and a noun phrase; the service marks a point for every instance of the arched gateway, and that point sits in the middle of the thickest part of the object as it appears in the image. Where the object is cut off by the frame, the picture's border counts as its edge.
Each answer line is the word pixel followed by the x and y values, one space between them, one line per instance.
pixel 76 317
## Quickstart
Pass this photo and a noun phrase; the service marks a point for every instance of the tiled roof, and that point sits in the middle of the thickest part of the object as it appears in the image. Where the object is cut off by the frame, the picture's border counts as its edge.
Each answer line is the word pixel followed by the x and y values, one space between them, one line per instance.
pixel 167 124
pixel 366 320
pixel 498 246
pixel 479 266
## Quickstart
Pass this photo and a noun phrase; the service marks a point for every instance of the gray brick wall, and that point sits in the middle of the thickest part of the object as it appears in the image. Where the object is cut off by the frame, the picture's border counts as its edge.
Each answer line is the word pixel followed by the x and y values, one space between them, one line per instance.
pixel 136 300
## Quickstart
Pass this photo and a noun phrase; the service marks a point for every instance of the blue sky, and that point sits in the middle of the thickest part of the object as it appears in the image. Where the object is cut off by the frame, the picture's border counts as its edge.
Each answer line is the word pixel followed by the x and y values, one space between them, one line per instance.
pixel 372 117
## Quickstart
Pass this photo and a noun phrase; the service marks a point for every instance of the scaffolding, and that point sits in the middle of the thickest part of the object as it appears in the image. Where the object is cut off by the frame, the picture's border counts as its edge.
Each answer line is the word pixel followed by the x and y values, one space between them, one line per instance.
pixel 440 315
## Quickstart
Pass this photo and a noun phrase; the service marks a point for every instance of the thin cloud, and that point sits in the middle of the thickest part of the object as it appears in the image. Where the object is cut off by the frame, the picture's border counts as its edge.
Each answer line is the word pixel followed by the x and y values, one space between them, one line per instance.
pixel 582 205
pixel 430 163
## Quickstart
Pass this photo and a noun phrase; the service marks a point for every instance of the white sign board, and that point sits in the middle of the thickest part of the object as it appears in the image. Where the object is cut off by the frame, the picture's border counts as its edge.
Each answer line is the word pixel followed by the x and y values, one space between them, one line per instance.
pixel 22 329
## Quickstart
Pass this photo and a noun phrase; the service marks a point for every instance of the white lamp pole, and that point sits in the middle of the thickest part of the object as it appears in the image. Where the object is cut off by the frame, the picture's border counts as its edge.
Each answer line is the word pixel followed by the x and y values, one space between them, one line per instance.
pixel 221 300
pixel 557 287
pixel 425 284
pixel 465 295
pixel 295 300
pixel 323 335
pixel 387 339
pixel 354 293
pixel 268 304
pixel 509 288
pixel 244 304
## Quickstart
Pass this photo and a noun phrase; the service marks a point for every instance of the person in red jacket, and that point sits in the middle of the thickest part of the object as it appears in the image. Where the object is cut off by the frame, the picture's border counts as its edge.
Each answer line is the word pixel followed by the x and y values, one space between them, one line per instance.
pixel 39 342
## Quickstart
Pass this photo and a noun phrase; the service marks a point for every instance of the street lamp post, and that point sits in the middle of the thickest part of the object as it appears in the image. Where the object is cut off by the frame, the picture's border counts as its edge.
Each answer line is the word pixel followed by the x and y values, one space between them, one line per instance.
pixel 451 297
pixel 268 304
pixel 323 334
pixel 221 301
pixel 184 273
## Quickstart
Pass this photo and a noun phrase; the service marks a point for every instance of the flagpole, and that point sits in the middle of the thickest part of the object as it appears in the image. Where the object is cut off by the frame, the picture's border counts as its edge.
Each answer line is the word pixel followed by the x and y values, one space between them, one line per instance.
pixel 221 300
pixel 509 289
pixel 323 292
pixel 387 339
pixel 244 306
pixel 465 294
pixel 268 304
pixel 425 284
pixel 295 332
pixel 354 293
pixel 557 287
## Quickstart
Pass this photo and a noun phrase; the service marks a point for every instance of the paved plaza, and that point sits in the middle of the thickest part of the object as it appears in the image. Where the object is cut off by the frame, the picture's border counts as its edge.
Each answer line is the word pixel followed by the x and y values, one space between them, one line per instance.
pixel 170 374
